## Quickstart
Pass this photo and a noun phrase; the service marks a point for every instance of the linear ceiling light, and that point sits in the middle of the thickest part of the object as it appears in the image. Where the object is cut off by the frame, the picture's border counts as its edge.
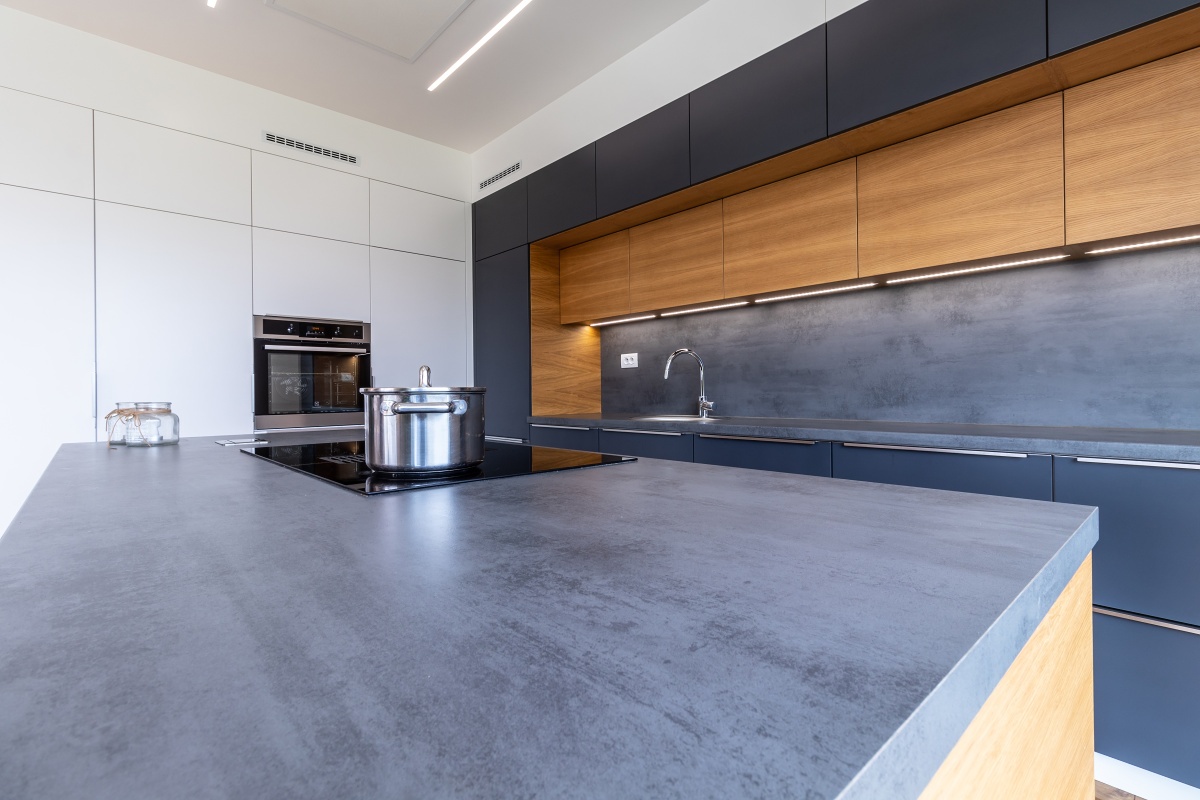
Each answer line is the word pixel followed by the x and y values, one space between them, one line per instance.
pixel 1143 244
pixel 706 308
pixel 619 321
pixel 507 19
pixel 1042 260
pixel 815 293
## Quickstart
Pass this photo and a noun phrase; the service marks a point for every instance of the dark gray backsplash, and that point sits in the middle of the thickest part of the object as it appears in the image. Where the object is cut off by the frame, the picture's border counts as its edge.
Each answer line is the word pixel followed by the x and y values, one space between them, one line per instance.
pixel 1106 341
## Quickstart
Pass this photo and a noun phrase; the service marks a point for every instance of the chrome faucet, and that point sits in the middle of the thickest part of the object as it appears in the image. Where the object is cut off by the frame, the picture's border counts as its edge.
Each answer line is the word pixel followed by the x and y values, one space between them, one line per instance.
pixel 705 405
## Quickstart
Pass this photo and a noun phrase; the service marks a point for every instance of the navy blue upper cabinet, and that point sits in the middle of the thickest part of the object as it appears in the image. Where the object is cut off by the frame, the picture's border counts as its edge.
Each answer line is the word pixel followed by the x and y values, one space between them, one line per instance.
pixel 771 105
pixel 1074 23
pixel 501 315
pixel 648 158
pixel 888 55
pixel 1005 475
pixel 563 194
pixel 501 220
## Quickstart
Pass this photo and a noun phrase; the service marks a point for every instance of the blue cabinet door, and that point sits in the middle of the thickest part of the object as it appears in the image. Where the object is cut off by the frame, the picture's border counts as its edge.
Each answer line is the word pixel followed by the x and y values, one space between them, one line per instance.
pixel 647 444
pixel 500 221
pixel 501 318
pixel 566 437
pixel 648 158
pixel 1148 695
pixel 1001 474
pixel 563 194
pixel 777 455
pixel 1074 23
pixel 1148 557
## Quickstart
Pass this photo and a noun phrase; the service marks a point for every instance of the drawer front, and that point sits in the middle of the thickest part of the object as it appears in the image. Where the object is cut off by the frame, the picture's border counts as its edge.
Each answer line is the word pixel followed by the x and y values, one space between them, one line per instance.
pixel 565 437
pixel 1147 696
pixel 673 447
pixel 1149 550
pixel 1003 475
pixel 801 458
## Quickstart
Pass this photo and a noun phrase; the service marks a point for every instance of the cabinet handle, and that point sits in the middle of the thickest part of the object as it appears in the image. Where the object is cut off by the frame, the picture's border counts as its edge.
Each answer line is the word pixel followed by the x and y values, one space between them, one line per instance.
pixel 558 427
pixel 992 453
pixel 755 439
pixel 1160 623
pixel 509 439
pixel 1127 463
pixel 643 433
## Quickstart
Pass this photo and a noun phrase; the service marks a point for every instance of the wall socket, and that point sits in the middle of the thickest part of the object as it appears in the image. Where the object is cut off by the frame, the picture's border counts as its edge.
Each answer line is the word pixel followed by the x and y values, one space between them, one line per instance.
pixel 628 360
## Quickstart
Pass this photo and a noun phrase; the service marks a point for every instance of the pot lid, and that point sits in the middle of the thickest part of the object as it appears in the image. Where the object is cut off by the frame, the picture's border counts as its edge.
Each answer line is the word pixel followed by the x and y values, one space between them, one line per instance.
pixel 423 377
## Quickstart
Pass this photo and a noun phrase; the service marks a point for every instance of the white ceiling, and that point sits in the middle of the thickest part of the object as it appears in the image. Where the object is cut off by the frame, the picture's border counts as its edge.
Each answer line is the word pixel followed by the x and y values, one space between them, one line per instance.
pixel 551 47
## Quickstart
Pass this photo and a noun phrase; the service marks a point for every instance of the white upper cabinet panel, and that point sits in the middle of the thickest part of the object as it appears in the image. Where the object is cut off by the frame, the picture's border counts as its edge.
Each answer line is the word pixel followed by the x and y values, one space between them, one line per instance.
pixel 418 316
pixel 305 276
pixel 417 222
pixel 302 198
pixel 46 144
pixel 145 165
pixel 173 319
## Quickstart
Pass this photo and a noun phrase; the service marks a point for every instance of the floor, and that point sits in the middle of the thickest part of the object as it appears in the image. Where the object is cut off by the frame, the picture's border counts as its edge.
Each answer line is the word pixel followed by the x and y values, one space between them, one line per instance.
pixel 1106 792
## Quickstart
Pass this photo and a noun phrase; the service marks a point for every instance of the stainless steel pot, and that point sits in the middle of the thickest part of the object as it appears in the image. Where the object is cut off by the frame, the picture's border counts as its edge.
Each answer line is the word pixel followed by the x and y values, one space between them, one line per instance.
pixel 424 430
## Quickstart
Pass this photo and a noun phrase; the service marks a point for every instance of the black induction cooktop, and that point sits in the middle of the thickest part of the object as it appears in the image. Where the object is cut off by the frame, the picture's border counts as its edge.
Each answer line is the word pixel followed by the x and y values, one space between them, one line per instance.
pixel 342 464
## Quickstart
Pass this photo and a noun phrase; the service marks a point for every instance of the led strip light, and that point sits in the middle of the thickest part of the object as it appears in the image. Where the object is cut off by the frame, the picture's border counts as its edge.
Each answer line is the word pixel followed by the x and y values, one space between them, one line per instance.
pixel 1006 264
pixel 619 321
pixel 815 293
pixel 706 308
pixel 1119 248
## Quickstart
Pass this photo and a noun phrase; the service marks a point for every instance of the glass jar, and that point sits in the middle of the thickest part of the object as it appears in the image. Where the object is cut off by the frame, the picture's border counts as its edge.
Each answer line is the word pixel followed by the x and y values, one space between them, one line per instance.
pixel 151 424
pixel 115 422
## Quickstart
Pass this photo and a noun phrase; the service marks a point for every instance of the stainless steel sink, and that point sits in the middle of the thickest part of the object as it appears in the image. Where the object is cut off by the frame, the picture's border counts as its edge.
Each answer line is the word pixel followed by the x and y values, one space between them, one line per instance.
pixel 679 418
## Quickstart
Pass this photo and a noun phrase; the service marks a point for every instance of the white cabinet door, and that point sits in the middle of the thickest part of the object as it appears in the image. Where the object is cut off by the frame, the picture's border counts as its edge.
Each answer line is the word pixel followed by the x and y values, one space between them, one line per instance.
pixel 302 198
pixel 46 281
pixel 418 316
pixel 145 165
pixel 46 144
pixel 304 276
pixel 173 318
pixel 418 222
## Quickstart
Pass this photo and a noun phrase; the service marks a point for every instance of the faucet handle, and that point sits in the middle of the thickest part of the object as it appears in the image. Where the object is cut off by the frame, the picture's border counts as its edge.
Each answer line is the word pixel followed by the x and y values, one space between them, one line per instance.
pixel 706 406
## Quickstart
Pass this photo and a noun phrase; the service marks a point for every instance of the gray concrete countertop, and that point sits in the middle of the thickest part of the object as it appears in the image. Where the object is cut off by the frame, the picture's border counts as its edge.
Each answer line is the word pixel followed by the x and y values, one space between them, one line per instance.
pixel 1131 443
pixel 193 622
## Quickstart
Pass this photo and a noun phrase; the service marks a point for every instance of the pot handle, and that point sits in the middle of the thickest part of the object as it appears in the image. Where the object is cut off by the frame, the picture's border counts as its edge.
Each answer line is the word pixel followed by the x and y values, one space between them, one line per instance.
pixel 457 407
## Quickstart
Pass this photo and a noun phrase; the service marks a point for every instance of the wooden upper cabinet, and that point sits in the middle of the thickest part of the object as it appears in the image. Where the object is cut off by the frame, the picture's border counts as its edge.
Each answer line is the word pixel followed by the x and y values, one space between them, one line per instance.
pixel 594 279
pixel 677 260
pixel 989 187
pixel 1133 151
pixel 797 232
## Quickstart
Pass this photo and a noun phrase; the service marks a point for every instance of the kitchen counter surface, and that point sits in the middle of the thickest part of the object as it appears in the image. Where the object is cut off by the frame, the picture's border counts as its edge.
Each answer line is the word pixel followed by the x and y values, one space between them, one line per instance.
pixel 1129 443
pixel 193 622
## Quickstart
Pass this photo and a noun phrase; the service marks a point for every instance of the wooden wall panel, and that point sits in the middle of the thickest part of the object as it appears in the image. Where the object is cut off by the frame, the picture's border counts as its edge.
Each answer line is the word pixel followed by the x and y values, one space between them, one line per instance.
pixel 1034 735
pixel 1133 151
pixel 677 260
pixel 797 232
pixel 565 359
pixel 595 278
pixel 989 187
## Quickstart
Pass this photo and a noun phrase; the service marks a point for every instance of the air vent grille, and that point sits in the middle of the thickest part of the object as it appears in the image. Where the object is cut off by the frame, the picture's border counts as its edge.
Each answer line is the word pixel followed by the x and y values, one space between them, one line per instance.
pixel 311 148
pixel 501 174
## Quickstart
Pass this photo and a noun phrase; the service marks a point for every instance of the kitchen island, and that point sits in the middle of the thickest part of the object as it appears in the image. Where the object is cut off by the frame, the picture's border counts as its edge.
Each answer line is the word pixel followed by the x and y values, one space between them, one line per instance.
pixel 194 622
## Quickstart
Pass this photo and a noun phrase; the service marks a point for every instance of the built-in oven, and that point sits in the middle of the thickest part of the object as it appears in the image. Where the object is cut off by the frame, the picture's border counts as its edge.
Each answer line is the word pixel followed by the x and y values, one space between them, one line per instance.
pixel 307 372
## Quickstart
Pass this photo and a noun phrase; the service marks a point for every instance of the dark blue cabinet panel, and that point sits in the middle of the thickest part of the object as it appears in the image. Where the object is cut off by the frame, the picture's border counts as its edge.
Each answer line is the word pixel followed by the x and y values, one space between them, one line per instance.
pixel 501 320
pixel 1147 695
pixel 780 455
pixel 563 194
pixel 1074 23
pixel 500 221
pixel 648 158
pixel 1149 549
pixel 888 55
pixel 567 438
pixel 771 105
pixel 1030 477
pixel 672 446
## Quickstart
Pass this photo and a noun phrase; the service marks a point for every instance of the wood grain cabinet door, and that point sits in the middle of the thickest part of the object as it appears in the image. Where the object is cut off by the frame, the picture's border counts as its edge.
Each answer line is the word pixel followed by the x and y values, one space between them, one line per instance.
pixel 989 187
pixel 594 279
pixel 677 260
pixel 1133 151
pixel 797 232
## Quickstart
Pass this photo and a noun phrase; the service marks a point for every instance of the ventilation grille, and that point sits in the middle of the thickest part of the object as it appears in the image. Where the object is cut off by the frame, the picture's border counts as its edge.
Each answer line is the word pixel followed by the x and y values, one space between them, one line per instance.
pixel 312 148
pixel 502 173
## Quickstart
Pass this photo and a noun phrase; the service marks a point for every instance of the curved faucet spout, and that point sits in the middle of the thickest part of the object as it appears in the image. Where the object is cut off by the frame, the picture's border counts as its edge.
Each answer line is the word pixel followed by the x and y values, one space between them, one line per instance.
pixel 704 404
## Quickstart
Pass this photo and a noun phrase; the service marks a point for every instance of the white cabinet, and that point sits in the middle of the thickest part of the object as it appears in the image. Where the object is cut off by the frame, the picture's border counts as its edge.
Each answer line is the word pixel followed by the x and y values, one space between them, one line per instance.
pixel 173 319
pixel 153 167
pixel 418 222
pixel 46 144
pixel 46 281
pixel 304 276
pixel 418 316
pixel 302 198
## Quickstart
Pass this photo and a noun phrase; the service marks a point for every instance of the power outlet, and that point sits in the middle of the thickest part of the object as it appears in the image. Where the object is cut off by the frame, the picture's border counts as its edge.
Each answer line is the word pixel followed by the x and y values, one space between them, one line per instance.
pixel 628 360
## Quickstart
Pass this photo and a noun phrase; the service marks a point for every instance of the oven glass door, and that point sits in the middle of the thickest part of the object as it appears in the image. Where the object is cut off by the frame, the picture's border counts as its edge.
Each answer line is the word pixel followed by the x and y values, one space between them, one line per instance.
pixel 301 379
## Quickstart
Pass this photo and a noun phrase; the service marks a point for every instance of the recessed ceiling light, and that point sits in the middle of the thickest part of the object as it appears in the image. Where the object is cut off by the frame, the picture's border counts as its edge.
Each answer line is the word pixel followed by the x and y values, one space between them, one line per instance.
pixel 1155 243
pixel 212 3
pixel 1006 264
pixel 815 293
pixel 507 19
pixel 619 321
pixel 706 308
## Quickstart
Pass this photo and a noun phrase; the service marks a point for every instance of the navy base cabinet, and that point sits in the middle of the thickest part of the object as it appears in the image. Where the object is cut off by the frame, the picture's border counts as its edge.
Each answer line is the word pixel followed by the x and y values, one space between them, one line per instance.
pixel 778 455
pixel 566 437
pixel 1000 474
pixel 501 318
pixel 647 444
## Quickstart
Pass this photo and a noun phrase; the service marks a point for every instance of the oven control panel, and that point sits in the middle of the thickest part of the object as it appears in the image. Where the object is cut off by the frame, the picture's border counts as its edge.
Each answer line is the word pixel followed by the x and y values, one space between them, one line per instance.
pixel 312 329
